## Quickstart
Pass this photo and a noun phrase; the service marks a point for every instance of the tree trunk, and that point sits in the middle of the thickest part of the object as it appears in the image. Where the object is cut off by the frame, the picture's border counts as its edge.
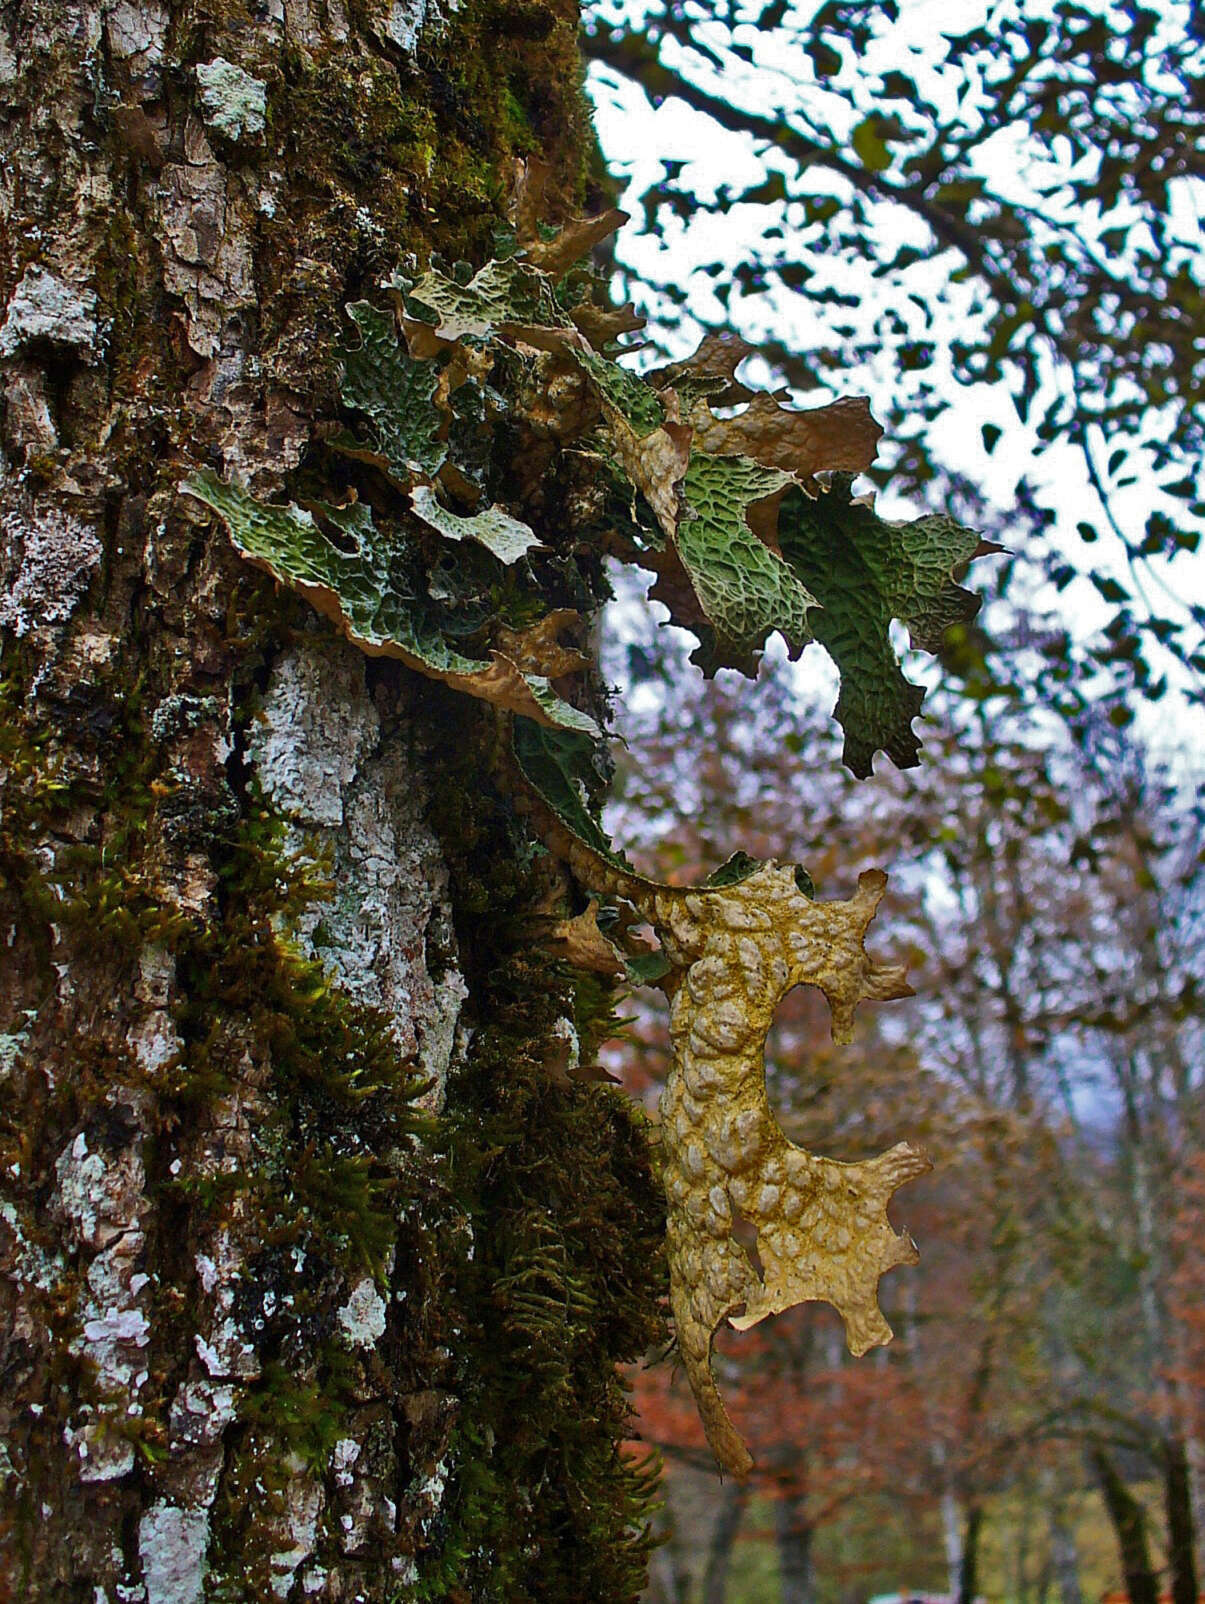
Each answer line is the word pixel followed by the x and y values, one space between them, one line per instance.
pixel 278 1135
pixel 1177 1488
pixel 793 1534
pixel 1129 1527
pixel 669 1580
pixel 1021 1545
pixel 951 1531
pixel 968 1572
pixel 1064 1557
pixel 734 1497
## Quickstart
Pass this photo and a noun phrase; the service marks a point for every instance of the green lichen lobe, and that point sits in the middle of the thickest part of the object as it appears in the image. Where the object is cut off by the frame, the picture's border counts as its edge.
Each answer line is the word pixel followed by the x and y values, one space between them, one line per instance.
pixel 508 538
pixel 865 571
pixel 751 543
pixel 742 586
pixel 397 397
pixel 359 576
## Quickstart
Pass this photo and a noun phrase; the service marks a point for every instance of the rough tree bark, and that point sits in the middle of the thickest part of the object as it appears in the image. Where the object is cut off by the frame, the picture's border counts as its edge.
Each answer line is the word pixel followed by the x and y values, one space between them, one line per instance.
pixel 278 1138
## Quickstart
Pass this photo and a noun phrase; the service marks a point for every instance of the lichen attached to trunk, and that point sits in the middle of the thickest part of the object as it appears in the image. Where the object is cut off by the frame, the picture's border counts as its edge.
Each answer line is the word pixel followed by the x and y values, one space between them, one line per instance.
pixel 747 540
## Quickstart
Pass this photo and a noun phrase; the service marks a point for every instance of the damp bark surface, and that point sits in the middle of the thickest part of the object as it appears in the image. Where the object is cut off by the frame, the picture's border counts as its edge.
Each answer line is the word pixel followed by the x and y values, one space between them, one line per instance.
pixel 279 1141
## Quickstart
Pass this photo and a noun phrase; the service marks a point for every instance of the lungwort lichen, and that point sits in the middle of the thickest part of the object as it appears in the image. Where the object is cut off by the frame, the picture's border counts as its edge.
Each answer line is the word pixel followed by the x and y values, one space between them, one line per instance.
pixel 500 445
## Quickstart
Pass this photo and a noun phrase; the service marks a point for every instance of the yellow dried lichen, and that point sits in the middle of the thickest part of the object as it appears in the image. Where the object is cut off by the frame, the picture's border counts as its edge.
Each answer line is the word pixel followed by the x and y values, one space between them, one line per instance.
pixel 821 1226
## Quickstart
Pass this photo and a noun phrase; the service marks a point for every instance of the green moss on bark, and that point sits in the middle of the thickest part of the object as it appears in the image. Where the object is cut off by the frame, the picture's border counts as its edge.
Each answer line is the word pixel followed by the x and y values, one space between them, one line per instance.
pixel 562 1278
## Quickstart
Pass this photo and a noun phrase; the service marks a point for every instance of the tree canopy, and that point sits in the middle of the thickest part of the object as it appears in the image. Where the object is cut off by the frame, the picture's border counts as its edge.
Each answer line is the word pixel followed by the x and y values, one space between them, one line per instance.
pixel 989 219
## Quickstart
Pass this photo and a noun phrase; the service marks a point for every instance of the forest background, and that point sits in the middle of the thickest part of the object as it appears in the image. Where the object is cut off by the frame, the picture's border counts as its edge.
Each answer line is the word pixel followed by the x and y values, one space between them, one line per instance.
pixel 320 1240
pixel 990 223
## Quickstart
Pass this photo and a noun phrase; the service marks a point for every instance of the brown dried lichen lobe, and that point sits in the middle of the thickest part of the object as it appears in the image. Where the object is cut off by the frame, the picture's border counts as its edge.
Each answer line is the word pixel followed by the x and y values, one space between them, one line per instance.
pixel 822 1227
pixel 839 437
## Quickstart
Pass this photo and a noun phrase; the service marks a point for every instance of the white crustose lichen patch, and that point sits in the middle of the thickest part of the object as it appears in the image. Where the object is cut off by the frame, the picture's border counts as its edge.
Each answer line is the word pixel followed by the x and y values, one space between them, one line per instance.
pixel 172 1544
pixel 303 1503
pixel 401 21
pixel 362 1317
pixel 355 802
pixel 99 1194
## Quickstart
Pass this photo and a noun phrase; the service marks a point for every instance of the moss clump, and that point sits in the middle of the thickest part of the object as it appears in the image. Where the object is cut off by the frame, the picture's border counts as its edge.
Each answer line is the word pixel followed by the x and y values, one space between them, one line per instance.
pixel 564 1284
pixel 52 880
pixel 560 1277
pixel 342 1099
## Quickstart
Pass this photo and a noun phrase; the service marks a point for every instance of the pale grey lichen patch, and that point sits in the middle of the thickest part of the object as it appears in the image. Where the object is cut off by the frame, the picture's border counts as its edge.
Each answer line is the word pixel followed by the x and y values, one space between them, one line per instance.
pixel 154 1038
pixel 33 1266
pixel 426 1496
pixel 401 22
pixel 364 1511
pixel 172 1544
pixel 565 1049
pixel 46 307
pixel 357 805
pixel 201 1411
pixel 370 225
pixel 225 1337
pixel 362 1317
pixel 115 1326
pixel 113 1340
pixel 12 1045
pixel 316 727
pixel 391 887
pixel 181 712
pixel 233 103
pixel 343 1456
pixel 46 564
pixel 442 1038
pixel 227 1351
pixel 100 1195
pixel 304 1501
